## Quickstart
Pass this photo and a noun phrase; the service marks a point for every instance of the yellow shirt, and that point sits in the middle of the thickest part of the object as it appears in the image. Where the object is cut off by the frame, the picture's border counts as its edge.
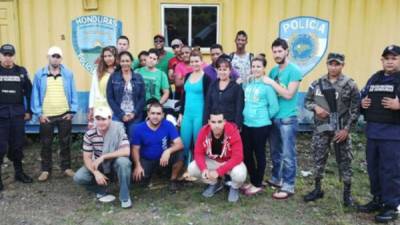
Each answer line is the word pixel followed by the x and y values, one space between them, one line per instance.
pixel 55 102
pixel 102 99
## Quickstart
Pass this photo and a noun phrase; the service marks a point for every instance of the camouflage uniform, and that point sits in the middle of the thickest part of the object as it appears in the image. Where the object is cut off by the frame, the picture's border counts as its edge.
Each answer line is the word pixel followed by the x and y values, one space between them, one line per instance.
pixel 348 99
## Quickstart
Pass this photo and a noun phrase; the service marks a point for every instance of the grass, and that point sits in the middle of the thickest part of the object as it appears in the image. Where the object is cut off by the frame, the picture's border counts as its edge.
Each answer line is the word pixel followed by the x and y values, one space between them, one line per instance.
pixel 159 206
pixel 188 207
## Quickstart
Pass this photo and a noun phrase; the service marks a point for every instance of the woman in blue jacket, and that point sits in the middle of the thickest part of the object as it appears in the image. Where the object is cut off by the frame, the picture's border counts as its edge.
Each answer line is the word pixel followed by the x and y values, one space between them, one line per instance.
pixel 260 105
pixel 126 93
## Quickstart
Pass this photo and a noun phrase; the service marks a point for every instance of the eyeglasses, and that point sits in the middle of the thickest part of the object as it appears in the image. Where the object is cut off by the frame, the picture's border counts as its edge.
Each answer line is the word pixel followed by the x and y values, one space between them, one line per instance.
pixel 158 41
pixel 174 46
pixel 57 56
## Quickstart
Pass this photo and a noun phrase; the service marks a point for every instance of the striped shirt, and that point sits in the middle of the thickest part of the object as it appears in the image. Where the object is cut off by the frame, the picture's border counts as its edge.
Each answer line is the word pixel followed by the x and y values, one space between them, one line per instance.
pixel 93 142
pixel 55 102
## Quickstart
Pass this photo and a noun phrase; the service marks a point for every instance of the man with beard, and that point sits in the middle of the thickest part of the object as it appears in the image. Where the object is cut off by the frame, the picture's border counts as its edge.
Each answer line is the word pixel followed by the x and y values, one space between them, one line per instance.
pixel 380 106
pixel 54 101
pixel 285 79
pixel 15 88
pixel 155 144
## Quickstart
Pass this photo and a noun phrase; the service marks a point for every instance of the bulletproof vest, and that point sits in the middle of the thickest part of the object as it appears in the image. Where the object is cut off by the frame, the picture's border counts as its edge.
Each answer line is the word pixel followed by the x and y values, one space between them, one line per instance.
pixel 377 90
pixel 336 106
pixel 11 87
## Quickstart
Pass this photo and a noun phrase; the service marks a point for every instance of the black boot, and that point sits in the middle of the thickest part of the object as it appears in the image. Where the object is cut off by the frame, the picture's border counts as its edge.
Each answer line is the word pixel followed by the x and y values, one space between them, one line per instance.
pixel 347 198
pixel 315 194
pixel 19 173
pixel 387 214
pixel 1 182
pixel 374 205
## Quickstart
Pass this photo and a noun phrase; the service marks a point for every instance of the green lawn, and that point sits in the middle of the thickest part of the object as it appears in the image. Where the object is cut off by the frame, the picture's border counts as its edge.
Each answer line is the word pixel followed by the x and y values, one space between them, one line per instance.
pixel 59 201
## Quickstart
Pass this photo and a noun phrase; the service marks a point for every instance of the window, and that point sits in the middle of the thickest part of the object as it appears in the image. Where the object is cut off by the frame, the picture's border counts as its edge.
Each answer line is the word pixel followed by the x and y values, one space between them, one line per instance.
pixel 195 25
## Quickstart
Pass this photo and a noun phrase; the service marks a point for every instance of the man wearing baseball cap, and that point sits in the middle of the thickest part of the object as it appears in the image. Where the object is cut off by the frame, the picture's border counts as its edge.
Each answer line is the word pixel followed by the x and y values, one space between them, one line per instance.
pixel 164 56
pixel 54 101
pixel 334 100
pixel 15 94
pixel 381 108
pixel 106 151
pixel 176 46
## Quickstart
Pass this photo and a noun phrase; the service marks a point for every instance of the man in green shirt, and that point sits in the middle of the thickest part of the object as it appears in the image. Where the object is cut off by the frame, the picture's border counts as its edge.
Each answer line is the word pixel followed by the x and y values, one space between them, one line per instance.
pixel 164 56
pixel 155 80
pixel 285 79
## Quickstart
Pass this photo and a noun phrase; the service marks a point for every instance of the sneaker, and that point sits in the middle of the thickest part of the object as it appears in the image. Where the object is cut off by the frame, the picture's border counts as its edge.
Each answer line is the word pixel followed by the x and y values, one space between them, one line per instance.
pixel 44 176
pixel 233 195
pixel 126 204
pixel 106 198
pixel 212 189
pixel 69 172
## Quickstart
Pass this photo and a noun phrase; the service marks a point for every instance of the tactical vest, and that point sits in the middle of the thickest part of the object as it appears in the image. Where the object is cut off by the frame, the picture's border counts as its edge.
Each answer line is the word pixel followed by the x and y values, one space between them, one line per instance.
pixel 11 87
pixel 321 101
pixel 377 90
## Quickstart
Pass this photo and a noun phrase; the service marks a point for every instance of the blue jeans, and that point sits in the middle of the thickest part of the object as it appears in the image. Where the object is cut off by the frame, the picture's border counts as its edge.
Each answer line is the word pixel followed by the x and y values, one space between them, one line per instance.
pixel 283 152
pixel 122 166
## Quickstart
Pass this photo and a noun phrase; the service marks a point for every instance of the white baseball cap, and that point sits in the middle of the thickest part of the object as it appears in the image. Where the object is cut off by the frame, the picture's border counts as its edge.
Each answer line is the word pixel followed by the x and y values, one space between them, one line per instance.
pixel 103 112
pixel 54 50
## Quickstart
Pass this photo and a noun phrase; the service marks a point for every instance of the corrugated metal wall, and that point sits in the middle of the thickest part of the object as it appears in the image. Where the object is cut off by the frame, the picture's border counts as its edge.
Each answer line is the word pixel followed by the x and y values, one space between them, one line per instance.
pixel 358 28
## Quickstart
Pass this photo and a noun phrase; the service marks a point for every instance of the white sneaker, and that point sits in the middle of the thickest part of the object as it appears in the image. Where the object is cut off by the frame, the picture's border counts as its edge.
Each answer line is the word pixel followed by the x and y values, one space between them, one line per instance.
pixel 126 204
pixel 105 198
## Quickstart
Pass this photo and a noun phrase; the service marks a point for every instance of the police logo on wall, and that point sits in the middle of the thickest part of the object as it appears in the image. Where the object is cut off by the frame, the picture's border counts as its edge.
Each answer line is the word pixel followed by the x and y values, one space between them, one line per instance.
pixel 92 33
pixel 308 40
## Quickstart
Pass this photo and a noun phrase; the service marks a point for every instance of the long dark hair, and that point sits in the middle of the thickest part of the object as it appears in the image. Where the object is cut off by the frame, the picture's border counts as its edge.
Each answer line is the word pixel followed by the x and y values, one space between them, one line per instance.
pixel 102 66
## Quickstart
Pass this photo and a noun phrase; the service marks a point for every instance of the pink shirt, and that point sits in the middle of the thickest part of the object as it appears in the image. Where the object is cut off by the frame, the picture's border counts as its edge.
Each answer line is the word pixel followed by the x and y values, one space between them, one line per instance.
pixel 181 69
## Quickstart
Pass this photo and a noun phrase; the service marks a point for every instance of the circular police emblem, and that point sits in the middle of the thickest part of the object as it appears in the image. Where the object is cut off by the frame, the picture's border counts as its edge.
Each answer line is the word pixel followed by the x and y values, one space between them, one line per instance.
pixel 304 47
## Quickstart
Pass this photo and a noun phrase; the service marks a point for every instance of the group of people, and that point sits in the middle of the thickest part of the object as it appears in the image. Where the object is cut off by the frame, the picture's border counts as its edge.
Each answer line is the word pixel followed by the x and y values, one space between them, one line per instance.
pixel 228 111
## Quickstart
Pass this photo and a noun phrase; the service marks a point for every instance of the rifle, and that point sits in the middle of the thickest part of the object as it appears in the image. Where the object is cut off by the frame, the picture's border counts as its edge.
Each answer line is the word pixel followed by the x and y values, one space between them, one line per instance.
pixel 334 119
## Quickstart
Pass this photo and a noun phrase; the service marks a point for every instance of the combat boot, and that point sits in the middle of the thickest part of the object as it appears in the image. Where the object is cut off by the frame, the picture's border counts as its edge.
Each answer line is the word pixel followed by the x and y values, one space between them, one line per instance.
pixel 347 198
pixel 315 194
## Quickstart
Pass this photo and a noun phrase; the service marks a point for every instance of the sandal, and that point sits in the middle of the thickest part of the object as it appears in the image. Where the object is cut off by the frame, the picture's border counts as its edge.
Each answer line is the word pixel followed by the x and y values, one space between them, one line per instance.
pixel 187 177
pixel 244 187
pixel 253 190
pixel 282 195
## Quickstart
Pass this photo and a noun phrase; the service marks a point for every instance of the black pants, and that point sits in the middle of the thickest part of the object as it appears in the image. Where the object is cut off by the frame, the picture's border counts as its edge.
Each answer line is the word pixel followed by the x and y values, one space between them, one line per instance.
pixel 46 138
pixel 383 164
pixel 254 140
pixel 151 166
pixel 12 139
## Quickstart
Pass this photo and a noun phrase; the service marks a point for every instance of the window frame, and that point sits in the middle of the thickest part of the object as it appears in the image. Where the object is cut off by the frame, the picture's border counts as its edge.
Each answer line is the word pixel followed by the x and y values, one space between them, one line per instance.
pixel 189 6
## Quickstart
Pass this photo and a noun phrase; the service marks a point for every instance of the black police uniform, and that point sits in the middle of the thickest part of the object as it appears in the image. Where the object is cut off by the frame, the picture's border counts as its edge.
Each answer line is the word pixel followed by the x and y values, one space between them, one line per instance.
pixel 15 94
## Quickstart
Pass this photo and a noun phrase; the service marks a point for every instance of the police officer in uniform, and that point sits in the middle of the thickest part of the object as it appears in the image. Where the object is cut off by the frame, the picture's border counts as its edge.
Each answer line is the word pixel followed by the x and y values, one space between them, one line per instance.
pixel 334 115
pixel 381 108
pixel 15 93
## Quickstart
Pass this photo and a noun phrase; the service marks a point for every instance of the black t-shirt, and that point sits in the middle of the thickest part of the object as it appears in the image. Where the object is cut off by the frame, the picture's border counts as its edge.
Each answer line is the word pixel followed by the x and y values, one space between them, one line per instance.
pixel 217 144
